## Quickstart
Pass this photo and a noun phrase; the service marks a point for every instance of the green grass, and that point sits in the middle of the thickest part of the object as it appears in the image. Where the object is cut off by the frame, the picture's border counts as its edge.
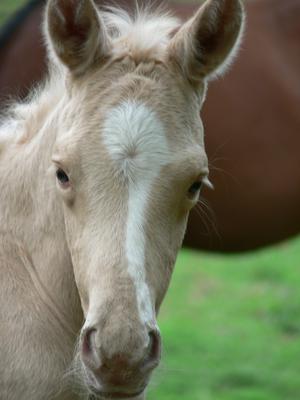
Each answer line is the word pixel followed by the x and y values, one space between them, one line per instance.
pixel 231 327
pixel 7 8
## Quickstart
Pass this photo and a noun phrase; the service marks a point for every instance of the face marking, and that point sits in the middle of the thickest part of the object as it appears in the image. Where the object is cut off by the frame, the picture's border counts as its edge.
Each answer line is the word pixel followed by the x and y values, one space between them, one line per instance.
pixel 136 142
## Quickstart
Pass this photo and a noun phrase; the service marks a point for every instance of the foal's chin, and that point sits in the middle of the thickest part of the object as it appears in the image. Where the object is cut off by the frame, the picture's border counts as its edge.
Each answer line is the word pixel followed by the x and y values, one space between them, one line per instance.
pixel 118 396
pixel 100 391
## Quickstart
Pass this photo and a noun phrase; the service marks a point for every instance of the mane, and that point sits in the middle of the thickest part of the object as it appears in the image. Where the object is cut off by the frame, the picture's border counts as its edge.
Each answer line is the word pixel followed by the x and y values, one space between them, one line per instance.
pixel 20 120
pixel 145 32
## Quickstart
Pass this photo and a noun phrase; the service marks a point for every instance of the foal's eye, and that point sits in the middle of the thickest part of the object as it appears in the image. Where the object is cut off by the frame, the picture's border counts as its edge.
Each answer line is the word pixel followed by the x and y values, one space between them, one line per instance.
pixel 195 188
pixel 62 177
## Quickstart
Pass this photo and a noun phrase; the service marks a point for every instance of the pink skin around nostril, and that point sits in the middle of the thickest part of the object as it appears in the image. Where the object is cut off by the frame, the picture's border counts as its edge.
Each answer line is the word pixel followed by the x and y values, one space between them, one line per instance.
pixel 92 358
pixel 88 349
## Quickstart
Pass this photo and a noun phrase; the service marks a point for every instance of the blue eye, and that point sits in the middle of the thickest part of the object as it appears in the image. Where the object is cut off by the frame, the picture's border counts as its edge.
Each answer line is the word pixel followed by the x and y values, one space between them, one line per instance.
pixel 62 177
pixel 195 188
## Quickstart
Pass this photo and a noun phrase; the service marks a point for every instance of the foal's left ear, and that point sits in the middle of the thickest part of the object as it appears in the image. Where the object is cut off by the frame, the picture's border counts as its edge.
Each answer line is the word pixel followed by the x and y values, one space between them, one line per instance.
pixel 206 44
pixel 76 33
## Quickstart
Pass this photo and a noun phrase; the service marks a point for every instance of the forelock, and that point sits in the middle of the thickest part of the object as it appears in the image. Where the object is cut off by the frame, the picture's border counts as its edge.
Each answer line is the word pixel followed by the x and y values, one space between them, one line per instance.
pixel 145 33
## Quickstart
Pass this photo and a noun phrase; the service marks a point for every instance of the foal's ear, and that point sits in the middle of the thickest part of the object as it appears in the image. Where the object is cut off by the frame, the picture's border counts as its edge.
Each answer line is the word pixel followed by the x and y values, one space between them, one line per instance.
pixel 76 33
pixel 207 43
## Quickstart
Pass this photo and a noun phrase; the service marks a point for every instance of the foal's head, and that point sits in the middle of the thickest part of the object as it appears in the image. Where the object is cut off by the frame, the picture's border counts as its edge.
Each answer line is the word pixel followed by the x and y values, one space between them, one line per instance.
pixel 130 163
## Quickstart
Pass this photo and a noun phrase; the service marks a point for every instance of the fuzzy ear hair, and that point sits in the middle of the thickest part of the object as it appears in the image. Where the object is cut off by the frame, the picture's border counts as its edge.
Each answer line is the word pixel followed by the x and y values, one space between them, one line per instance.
pixel 76 33
pixel 207 43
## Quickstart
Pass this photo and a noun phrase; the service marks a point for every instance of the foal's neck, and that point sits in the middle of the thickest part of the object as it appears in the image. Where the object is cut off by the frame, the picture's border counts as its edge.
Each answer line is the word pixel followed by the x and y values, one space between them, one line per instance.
pixel 29 207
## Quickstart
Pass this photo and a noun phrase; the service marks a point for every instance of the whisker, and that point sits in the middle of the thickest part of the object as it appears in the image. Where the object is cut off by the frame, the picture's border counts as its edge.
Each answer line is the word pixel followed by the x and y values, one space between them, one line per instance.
pixel 223 171
pixel 203 215
pixel 208 218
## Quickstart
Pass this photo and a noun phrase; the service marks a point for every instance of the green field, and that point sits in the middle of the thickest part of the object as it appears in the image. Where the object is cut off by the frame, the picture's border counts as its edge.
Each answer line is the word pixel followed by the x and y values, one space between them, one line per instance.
pixel 7 7
pixel 231 327
pixel 230 324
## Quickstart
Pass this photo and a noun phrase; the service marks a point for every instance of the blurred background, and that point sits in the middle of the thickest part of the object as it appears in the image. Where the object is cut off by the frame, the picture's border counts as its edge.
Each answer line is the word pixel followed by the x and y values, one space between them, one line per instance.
pixel 231 319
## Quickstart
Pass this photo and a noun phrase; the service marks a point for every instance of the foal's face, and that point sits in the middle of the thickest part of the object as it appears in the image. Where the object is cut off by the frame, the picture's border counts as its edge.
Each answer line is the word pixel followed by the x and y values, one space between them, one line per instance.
pixel 129 171
pixel 130 164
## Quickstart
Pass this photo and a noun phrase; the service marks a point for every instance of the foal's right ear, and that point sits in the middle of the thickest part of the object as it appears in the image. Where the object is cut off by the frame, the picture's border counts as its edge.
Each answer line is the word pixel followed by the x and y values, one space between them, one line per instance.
pixel 76 33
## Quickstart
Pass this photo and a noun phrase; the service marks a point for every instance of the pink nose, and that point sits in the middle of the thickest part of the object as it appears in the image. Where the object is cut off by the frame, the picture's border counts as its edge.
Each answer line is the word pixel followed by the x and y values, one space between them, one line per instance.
pixel 121 367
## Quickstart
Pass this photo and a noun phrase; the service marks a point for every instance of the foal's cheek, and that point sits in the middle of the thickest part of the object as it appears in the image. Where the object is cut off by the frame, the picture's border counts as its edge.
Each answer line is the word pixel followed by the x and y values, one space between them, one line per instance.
pixel 176 236
pixel 80 279
pixel 79 263
pixel 83 297
pixel 162 283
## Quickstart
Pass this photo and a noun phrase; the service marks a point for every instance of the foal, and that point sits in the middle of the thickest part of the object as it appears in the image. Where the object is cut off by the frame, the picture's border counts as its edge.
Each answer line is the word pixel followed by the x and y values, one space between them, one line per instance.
pixel 98 172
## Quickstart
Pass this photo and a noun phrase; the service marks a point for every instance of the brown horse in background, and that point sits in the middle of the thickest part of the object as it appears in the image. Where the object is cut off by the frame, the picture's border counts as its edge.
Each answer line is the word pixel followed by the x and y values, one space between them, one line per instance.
pixel 254 155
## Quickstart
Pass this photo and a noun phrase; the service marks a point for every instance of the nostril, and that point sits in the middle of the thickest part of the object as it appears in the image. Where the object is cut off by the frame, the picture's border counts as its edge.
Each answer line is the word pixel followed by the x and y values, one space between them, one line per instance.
pixel 154 350
pixel 87 345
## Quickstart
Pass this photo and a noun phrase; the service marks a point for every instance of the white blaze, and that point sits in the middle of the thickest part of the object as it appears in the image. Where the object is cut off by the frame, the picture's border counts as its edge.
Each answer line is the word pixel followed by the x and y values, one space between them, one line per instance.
pixel 136 141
